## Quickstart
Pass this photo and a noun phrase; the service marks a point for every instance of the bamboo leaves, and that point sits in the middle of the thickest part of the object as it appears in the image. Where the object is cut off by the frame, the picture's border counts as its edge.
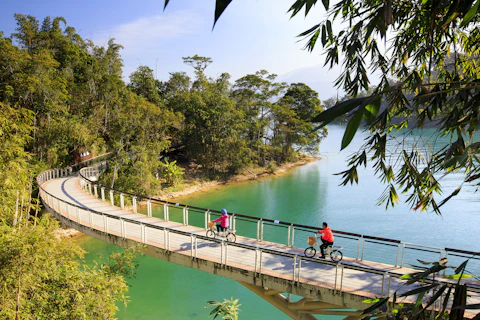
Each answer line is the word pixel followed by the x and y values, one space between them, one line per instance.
pixel 470 14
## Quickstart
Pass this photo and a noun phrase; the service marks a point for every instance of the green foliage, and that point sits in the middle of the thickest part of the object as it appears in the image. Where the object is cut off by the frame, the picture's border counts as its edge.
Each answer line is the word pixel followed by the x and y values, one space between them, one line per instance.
pixel 228 309
pixel 15 172
pixel 432 53
pixel 172 173
pixel 42 278
pixel 144 84
pixel 123 263
pixel 428 290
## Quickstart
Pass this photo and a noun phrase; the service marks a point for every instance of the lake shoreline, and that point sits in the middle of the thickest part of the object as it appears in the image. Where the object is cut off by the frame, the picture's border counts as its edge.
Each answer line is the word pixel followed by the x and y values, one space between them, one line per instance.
pixel 248 175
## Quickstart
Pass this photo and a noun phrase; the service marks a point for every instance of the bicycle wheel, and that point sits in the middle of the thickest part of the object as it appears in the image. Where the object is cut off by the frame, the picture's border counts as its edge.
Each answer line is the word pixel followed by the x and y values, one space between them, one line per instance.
pixel 210 234
pixel 310 252
pixel 231 237
pixel 336 255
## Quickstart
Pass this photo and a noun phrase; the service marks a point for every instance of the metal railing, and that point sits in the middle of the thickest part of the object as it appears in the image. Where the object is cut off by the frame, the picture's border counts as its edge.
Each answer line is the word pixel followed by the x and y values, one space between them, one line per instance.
pixel 361 247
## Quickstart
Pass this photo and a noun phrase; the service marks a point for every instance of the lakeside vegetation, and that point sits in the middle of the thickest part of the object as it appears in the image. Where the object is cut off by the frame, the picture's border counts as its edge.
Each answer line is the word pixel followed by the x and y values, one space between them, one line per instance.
pixel 62 96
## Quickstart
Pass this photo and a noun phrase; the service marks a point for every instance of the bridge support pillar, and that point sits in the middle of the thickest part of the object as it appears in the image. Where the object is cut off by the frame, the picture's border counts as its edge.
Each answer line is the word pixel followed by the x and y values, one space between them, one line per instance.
pixel 304 309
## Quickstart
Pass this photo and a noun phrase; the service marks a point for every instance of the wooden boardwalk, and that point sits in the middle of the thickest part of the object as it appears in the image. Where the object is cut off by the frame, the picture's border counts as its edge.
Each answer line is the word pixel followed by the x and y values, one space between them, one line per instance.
pixel 362 278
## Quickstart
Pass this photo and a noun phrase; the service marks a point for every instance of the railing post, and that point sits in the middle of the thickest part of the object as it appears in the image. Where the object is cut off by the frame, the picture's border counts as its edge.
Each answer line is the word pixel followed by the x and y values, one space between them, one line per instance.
pixel 293 235
pixel 78 214
pixel 165 238
pixel 226 253
pixel 260 262
pixel 383 283
pixel 149 207
pixel 165 212
pixel 388 284
pixel 363 249
pixel 396 257
pixel 95 191
pixel 89 188
pixel 102 193
pixel 185 216
pixel 192 245
pixel 124 232
pixel 261 230
pixel 105 225
pixel 336 276
pixel 143 233
pixel 134 204
pixel 112 199
pixel 358 247
pixel 289 230
pixel 294 266
pixel 122 201
pixel 403 256
pixel 299 269
pixel 341 279
pixel 90 217
pixel 222 244
pixel 256 261
pixel 196 247
pixel 234 222
pixel 258 229
pixel 168 239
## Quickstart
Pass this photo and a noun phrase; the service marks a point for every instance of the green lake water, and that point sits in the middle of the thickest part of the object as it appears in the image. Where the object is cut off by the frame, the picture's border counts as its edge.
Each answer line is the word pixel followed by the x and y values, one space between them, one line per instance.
pixel 306 195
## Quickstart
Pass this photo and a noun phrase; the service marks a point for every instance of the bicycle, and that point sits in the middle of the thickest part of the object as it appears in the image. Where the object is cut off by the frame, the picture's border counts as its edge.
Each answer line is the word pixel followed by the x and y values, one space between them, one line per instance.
pixel 213 233
pixel 332 251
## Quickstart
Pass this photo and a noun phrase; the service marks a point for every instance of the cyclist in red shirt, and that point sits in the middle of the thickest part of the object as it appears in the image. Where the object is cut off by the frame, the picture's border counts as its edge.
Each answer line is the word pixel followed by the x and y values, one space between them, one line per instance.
pixel 327 238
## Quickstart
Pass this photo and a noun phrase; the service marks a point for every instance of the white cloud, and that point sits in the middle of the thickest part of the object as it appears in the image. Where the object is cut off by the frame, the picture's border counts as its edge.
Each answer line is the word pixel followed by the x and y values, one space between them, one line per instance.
pixel 148 33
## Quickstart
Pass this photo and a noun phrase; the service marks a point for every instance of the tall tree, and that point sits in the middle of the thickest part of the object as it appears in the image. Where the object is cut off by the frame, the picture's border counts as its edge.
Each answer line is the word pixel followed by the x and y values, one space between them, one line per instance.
pixel 255 94
pixel 144 84
pixel 293 128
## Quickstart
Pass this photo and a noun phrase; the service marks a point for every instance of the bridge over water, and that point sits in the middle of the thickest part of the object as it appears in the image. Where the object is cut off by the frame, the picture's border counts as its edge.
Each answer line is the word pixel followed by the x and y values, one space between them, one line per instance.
pixel 267 257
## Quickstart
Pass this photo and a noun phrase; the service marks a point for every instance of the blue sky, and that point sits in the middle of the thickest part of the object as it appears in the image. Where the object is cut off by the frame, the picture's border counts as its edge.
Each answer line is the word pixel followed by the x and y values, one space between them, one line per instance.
pixel 251 35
